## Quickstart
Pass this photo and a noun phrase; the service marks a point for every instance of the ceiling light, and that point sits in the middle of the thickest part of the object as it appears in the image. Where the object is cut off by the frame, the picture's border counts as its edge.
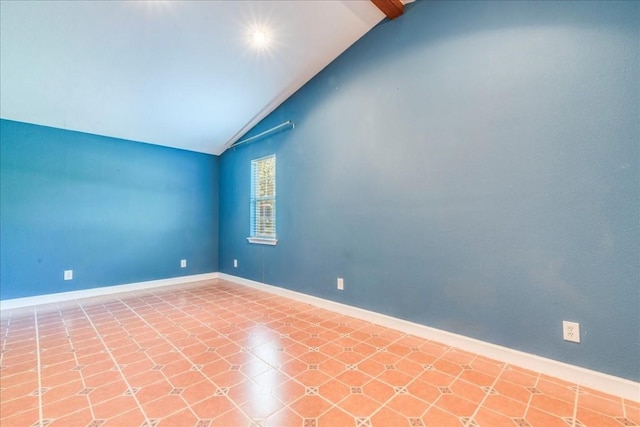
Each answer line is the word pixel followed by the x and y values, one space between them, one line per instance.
pixel 259 38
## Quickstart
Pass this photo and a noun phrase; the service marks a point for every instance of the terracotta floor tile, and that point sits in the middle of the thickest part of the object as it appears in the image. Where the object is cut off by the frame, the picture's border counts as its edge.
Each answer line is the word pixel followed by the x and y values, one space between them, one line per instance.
pixel 191 394
pixel 213 367
pixel 164 406
pixel 613 408
pixel 182 418
pixel 120 419
pixel 388 417
pixel 178 366
pixel 469 391
pixel 232 356
pixel 350 357
pixel 66 390
pixel 557 389
pixel 448 367
pixel 335 418
pixel 310 406
pixel 456 405
pixel 408 405
pixel 272 378
pixel 16 406
pixel 19 419
pixel 150 392
pixel 519 376
pixel 63 407
pixel 331 349
pixel 552 405
pixel 487 417
pixel 487 366
pixel 9 381
pixel 632 411
pixel 436 417
pixel 334 391
pixel 359 405
pixel 592 418
pixel 333 368
pixel 144 378
pixel 261 406
pixel 17 391
pixel 427 392
pixel 354 378
pixel 505 406
pixel 538 418
pixel 113 407
pixel 513 391
pixel 212 407
pixel 409 367
pixel 395 378
pixel 313 378
pixel 477 377
pixel 436 378
pixel 187 378
pixel 229 378
pixel 248 391
pixel 289 391
pixel 385 357
pixel 81 418
pixel 133 367
pixel 102 378
pixel 284 418
pixel 97 367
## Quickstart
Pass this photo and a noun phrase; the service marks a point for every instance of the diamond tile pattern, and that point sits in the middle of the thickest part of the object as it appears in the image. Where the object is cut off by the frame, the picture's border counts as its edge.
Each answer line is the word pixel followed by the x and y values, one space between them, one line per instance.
pixel 217 354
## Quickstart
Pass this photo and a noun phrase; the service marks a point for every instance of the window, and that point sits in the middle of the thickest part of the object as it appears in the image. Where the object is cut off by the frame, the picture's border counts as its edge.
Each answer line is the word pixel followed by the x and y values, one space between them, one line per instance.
pixel 263 201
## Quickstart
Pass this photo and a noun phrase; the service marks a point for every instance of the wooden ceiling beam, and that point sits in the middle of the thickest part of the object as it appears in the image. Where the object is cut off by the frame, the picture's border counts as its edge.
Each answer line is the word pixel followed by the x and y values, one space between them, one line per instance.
pixel 391 8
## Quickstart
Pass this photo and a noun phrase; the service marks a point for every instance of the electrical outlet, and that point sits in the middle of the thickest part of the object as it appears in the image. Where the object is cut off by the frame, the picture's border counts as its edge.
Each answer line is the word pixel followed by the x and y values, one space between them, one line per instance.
pixel 571 331
pixel 183 263
pixel 340 284
pixel 235 263
pixel 68 275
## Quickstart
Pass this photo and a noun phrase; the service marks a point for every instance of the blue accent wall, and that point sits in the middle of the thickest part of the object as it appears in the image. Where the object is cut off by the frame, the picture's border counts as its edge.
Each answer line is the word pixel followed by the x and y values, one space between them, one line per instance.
pixel 471 166
pixel 113 211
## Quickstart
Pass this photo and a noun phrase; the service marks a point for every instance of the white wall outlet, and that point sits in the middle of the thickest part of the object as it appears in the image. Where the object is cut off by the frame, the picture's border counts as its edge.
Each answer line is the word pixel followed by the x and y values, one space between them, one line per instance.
pixel 68 275
pixel 571 331
pixel 235 263
pixel 183 263
pixel 340 284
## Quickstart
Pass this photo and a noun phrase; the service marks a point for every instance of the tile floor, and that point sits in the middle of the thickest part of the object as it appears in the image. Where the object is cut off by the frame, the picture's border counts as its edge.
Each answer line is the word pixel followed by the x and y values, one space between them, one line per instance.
pixel 219 354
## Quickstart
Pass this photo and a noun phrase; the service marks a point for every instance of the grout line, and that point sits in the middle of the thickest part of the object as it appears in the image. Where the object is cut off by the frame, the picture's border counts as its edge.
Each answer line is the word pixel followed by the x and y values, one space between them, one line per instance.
pixel 5 338
pixel 115 362
pixel 486 396
pixel 575 407
pixel 195 304
pixel 40 411
pixel 332 405
pixel 75 357
pixel 535 385
pixel 133 310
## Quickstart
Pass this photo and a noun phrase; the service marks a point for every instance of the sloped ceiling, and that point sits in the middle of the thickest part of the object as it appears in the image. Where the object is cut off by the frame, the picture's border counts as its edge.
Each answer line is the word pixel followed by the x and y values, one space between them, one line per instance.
pixel 175 73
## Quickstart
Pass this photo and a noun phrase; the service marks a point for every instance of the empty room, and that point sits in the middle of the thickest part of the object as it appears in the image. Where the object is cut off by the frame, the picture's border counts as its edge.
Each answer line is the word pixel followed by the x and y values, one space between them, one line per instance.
pixel 348 213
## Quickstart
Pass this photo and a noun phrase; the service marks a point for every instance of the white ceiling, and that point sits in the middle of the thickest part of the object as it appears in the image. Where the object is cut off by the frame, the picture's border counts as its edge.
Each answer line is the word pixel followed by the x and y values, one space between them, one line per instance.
pixel 175 73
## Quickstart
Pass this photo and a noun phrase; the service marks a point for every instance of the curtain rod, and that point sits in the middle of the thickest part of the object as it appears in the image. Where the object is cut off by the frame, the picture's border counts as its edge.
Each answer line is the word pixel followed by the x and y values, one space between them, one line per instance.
pixel 281 127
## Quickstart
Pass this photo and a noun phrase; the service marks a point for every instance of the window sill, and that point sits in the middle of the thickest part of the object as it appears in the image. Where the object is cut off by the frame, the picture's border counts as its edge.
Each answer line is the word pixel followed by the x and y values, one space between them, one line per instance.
pixel 262 241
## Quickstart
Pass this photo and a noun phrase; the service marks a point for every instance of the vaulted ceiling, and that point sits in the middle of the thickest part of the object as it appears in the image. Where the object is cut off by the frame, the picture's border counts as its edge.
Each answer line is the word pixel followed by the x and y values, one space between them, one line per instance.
pixel 195 75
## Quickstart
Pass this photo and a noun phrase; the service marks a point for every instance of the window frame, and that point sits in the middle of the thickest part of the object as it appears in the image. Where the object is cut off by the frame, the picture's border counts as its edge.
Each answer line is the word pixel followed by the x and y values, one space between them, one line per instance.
pixel 255 200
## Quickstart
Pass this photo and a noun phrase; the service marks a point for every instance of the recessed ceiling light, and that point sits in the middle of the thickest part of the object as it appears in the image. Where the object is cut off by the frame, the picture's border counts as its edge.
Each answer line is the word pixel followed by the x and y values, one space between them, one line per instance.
pixel 259 38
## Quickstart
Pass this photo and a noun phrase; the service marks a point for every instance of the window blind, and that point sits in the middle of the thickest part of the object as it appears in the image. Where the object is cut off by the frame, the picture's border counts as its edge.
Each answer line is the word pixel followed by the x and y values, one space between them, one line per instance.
pixel 263 197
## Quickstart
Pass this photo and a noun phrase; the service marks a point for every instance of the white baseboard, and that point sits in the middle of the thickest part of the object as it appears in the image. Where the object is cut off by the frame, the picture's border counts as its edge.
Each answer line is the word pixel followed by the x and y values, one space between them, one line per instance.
pixel 606 383
pixel 105 290
pixel 597 380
